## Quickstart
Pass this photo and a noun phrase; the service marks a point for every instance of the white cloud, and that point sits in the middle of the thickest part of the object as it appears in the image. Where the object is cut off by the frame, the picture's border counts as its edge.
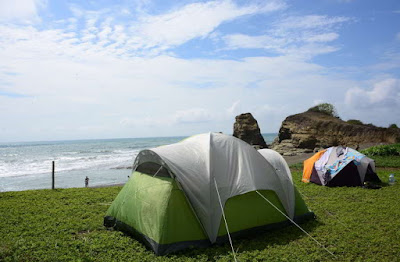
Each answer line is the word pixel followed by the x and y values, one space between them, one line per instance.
pixel 76 10
pixel 318 101
pixel 233 109
pixel 236 41
pixel 25 11
pixel 139 6
pixel 192 21
pixel 301 36
pixel 306 45
pixel 92 77
pixel 193 115
pixel 385 93
pixel 327 37
pixel 90 85
pixel 308 51
pixel 309 22
pixel 146 121
pixel 99 77
pixel 389 60
pixel 377 102
pixel 141 35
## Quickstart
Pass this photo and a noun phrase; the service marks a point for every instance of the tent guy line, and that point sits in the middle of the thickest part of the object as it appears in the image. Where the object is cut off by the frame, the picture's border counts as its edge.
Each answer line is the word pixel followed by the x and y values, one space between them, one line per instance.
pixel 226 223
pixel 295 224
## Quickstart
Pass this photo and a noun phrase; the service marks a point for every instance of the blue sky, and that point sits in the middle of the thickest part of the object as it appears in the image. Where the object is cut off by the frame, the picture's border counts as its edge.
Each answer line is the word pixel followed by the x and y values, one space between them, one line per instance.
pixel 140 68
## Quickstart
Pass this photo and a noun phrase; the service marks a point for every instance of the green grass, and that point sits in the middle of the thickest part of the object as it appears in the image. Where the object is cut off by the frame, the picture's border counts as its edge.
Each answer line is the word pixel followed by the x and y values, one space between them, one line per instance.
pixel 384 155
pixel 66 225
pixel 387 161
pixel 380 161
pixel 382 150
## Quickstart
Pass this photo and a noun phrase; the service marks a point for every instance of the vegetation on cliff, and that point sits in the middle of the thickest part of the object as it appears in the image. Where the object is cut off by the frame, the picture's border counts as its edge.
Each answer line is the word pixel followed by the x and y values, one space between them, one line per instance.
pixel 354 122
pixel 325 108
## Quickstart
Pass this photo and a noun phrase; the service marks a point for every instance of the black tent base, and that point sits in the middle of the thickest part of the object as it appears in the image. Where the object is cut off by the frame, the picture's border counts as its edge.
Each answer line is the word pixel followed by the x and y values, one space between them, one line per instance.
pixel 163 249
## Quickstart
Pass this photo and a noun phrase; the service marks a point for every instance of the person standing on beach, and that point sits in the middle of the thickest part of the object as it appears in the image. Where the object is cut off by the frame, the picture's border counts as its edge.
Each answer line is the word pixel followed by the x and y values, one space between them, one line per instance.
pixel 86 182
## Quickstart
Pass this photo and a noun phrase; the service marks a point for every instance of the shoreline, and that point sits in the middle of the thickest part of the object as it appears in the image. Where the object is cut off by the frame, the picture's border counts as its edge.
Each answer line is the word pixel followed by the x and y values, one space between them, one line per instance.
pixel 290 160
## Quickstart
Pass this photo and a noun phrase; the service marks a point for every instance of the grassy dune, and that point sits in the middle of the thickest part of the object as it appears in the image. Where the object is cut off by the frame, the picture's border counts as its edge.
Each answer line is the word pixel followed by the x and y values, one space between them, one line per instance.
pixel 356 224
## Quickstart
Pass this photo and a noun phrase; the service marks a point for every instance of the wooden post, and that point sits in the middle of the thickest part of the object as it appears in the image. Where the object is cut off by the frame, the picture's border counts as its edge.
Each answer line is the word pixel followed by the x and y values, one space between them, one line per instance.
pixel 52 177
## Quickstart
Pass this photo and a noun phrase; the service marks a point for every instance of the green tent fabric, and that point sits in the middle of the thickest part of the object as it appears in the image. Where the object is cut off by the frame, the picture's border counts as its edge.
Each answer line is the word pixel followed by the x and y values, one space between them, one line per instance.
pixel 154 207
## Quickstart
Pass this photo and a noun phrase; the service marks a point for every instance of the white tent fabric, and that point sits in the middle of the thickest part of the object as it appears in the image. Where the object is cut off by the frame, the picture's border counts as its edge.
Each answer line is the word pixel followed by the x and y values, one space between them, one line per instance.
pixel 279 163
pixel 236 167
pixel 281 169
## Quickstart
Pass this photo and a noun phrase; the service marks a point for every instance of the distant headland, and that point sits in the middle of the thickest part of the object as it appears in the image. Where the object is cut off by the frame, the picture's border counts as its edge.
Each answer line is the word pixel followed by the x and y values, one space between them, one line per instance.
pixel 318 127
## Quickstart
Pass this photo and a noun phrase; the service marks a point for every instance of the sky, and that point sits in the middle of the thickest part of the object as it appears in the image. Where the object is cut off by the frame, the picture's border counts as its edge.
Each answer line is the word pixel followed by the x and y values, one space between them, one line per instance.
pixel 150 68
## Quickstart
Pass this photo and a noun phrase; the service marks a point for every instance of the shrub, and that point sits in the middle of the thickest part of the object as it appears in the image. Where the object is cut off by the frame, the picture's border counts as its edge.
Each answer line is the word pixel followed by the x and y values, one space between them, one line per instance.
pixel 393 126
pixel 384 150
pixel 325 108
pixel 354 122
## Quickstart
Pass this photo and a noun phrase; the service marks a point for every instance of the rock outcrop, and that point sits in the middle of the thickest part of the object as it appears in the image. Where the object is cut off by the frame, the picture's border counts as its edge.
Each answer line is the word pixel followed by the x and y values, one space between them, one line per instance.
pixel 309 131
pixel 246 128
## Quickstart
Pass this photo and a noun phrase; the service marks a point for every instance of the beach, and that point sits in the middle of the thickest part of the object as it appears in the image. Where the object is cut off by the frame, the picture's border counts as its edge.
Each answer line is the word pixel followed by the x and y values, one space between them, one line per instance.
pixel 28 165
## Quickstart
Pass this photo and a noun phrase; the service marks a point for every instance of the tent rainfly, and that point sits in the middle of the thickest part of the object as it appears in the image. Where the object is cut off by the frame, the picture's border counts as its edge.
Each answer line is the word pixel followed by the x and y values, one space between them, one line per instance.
pixel 339 166
pixel 203 190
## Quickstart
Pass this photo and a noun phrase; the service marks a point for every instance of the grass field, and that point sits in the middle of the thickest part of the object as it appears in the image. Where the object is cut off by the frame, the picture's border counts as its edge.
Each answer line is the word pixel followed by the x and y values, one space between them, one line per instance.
pixel 355 224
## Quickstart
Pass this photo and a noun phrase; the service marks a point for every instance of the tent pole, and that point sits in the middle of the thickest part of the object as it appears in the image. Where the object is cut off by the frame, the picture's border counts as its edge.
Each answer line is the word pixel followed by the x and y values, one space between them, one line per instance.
pixel 191 206
pixel 158 170
pixel 226 224
pixel 291 220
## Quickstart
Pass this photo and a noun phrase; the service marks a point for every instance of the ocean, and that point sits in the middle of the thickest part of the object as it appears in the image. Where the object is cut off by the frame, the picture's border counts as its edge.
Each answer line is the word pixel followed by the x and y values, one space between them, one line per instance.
pixel 28 165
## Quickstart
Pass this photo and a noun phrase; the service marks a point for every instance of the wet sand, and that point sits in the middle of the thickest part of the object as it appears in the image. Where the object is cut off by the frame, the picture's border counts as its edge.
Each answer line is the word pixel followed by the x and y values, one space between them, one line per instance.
pixel 297 158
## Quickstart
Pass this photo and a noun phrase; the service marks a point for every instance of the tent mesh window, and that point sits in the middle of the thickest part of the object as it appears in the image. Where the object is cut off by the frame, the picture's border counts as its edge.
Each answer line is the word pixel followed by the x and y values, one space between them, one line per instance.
pixel 153 169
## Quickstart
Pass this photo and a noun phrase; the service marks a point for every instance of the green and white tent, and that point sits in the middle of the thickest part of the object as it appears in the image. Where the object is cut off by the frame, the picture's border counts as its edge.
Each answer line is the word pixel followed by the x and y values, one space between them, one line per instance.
pixel 177 194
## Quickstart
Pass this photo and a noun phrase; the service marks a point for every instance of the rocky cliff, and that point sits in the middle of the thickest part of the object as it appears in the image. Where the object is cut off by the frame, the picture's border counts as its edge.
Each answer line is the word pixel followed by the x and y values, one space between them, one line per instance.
pixel 247 129
pixel 308 131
